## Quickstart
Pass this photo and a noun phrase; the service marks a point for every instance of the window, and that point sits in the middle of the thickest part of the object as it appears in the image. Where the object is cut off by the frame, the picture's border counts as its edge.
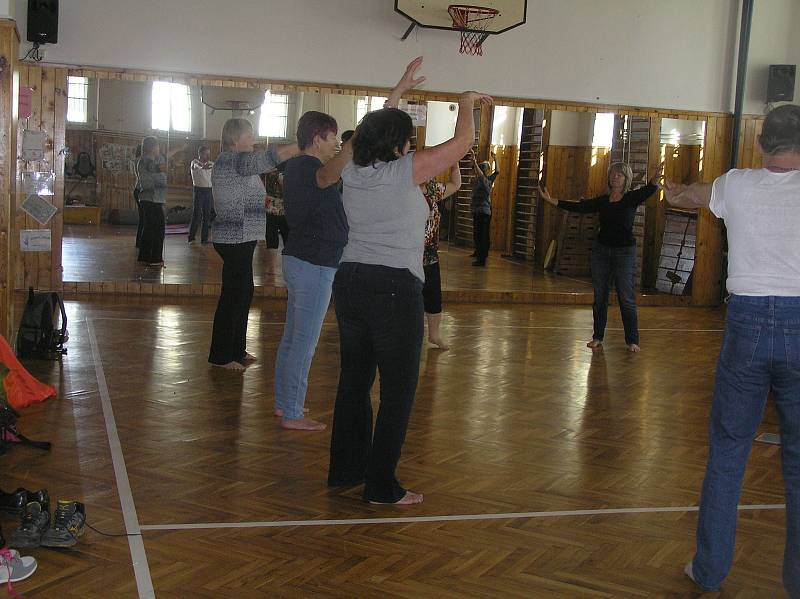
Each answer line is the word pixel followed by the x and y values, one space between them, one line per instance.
pixel 274 117
pixel 368 104
pixel 77 99
pixel 603 130
pixel 172 107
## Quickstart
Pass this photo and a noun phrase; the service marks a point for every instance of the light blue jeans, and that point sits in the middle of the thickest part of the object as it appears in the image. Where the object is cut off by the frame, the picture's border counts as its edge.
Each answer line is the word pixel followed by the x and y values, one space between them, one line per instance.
pixel 309 289
pixel 761 349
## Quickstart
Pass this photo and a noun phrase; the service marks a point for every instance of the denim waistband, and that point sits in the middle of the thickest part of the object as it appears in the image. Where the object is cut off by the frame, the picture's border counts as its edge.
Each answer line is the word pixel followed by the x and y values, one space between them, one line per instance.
pixel 764 301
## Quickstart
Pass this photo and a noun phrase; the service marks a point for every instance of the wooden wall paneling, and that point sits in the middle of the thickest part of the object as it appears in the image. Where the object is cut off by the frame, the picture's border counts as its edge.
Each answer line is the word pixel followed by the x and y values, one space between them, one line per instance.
pixel 502 195
pixel 654 212
pixel 44 276
pixel 9 78
pixel 59 141
pixel 27 262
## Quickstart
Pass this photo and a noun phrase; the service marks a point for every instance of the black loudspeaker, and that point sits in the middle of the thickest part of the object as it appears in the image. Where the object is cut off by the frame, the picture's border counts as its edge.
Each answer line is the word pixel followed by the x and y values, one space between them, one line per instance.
pixel 43 21
pixel 780 87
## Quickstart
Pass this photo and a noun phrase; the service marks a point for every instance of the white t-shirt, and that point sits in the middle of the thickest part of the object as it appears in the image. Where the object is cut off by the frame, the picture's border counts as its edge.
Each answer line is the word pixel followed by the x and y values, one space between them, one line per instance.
pixel 201 177
pixel 386 213
pixel 761 210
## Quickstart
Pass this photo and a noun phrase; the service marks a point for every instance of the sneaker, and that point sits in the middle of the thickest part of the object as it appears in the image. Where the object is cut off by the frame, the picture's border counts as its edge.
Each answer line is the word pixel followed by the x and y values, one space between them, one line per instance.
pixel 69 522
pixel 13 503
pixel 14 568
pixel 34 522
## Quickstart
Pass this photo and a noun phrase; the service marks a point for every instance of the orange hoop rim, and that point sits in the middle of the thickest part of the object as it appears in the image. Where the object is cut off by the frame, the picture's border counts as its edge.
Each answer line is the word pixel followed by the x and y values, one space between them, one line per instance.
pixel 461 14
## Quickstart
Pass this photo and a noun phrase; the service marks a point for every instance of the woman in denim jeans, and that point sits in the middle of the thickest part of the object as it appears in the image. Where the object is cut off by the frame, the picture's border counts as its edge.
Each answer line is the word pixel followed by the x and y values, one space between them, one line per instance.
pixel 761 346
pixel 614 251
pixel 313 208
pixel 378 291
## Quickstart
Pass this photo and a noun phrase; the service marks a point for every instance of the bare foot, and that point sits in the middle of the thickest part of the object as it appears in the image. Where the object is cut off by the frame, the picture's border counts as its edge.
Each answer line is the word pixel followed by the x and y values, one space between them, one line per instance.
pixel 634 348
pixel 231 366
pixel 410 498
pixel 302 424
pixel 248 358
pixel 279 413
pixel 595 344
pixel 438 343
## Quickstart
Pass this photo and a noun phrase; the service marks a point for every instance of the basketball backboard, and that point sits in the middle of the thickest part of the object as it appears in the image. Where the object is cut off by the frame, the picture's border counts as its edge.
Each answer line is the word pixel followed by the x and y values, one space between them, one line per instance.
pixel 434 13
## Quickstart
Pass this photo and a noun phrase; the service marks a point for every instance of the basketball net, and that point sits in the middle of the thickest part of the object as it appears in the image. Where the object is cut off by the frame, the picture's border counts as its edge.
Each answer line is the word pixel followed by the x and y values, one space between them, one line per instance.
pixel 472 22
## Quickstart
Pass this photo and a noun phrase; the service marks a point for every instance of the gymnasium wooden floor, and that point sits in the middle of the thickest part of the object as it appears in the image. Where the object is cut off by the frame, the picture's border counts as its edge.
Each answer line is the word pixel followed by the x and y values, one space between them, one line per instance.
pixel 548 470
pixel 107 253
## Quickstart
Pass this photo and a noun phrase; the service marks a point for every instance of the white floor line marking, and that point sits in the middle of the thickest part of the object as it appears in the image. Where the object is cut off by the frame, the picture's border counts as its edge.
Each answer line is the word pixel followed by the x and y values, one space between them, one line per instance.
pixel 141 568
pixel 456 518
pixel 587 327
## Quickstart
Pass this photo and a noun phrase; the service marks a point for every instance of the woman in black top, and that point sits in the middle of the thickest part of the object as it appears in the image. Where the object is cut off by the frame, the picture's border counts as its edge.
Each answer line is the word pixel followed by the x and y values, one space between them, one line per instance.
pixel 614 250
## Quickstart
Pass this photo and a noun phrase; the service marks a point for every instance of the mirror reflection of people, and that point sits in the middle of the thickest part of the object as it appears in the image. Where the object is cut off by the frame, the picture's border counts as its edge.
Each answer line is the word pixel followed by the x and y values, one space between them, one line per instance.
pixel 378 291
pixel 136 192
pixel 202 198
pixel 314 211
pixel 277 226
pixel 435 192
pixel 761 346
pixel 482 206
pixel 152 185
pixel 240 223
pixel 614 250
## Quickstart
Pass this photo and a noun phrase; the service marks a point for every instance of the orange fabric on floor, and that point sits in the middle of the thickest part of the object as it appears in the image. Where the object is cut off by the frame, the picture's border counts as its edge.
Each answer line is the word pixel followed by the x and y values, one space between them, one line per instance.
pixel 21 388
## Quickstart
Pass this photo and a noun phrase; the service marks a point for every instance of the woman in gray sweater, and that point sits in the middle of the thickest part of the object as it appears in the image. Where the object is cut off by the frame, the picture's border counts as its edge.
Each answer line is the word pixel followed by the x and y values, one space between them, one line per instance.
pixel 239 199
pixel 152 185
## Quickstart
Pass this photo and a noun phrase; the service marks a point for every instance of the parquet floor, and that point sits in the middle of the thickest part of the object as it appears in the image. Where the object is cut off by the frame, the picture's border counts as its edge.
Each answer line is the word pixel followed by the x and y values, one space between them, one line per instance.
pixel 107 253
pixel 531 452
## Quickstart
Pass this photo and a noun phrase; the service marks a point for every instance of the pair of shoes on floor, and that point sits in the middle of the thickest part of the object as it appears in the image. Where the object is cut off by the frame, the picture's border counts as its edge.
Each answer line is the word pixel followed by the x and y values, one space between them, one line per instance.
pixel 15 502
pixel 14 567
pixel 68 523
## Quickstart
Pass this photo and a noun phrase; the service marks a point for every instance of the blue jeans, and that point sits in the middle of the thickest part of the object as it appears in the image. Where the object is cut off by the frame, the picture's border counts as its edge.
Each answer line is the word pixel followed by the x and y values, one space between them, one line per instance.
pixel 380 315
pixel 620 263
pixel 309 289
pixel 761 349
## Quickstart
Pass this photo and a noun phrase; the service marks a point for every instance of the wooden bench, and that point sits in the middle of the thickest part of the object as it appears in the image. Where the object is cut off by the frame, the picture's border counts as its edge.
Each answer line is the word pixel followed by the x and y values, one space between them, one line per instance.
pixel 82 215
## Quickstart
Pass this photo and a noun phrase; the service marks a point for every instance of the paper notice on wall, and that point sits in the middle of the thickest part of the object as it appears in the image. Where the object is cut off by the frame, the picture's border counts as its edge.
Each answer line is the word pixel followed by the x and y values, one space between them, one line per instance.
pixel 39 208
pixel 38 182
pixel 33 145
pixel 418 113
pixel 34 240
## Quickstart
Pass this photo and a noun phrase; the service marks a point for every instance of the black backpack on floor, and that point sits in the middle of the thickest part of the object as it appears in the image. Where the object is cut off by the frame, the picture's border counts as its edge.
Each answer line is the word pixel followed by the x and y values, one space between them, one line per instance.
pixel 37 337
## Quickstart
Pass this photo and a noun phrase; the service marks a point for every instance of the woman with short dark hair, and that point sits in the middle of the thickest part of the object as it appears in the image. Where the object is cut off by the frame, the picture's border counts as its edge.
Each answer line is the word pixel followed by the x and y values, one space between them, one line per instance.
pixel 614 250
pixel 378 291
pixel 313 208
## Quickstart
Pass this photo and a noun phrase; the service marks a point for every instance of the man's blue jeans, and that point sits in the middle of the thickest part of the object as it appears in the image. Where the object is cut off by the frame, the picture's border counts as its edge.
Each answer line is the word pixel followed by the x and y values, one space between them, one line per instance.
pixel 309 289
pixel 761 349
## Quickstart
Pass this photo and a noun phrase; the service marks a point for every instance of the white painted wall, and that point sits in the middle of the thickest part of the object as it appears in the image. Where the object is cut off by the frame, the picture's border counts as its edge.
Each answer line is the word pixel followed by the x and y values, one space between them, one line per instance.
pixel 441 124
pixel 682 132
pixel 773 40
pixel 8 9
pixel 676 54
pixel 571 128
pixel 343 109
pixel 506 126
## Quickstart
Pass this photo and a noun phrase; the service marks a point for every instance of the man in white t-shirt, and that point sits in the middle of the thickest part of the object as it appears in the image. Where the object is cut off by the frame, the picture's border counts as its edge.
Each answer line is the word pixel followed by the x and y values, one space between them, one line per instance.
pixel 761 347
pixel 203 200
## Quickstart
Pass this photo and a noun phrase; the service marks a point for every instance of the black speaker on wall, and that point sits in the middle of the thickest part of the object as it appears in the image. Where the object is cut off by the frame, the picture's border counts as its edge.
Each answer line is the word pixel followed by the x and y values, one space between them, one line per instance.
pixel 43 21
pixel 780 87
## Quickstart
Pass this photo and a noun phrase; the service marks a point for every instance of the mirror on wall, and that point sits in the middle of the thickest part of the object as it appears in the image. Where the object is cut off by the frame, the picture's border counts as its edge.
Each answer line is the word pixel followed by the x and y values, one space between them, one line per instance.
pixel 534 247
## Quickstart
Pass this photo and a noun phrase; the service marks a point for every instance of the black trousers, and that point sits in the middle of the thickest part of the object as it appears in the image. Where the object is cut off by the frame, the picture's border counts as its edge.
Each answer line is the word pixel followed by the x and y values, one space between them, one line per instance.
pixel 140 224
pixel 277 224
pixel 229 336
pixel 480 234
pixel 380 316
pixel 202 205
pixel 432 290
pixel 151 244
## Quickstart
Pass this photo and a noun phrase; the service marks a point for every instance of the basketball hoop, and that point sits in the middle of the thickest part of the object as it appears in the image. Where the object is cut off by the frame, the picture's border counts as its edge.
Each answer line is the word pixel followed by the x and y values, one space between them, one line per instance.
pixel 472 22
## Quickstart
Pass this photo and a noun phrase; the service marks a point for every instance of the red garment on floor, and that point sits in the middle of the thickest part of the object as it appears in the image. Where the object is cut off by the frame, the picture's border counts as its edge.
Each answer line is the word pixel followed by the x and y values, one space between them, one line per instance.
pixel 21 388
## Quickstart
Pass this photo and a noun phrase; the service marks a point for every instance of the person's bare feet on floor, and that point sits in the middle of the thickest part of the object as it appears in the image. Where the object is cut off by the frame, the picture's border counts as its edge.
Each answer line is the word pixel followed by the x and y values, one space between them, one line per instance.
pixel 410 498
pixel 278 413
pixel 248 358
pixel 235 366
pixel 595 344
pixel 634 348
pixel 438 342
pixel 302 424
